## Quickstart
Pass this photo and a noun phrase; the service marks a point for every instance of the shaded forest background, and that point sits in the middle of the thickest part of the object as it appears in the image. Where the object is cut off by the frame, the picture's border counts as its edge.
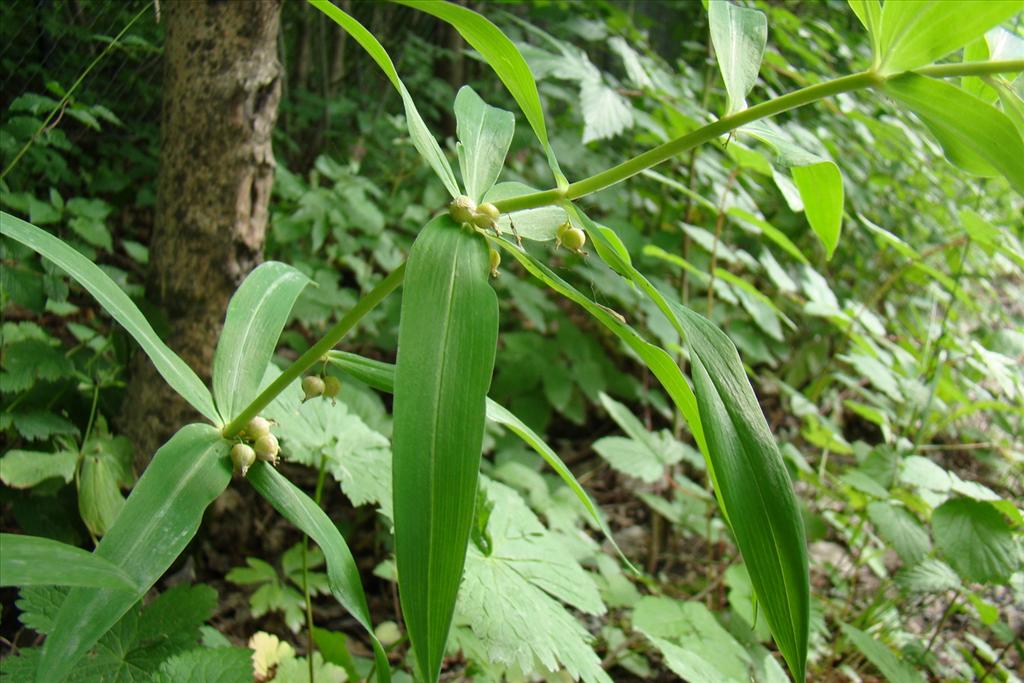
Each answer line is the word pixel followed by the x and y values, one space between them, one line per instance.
pixel 891 374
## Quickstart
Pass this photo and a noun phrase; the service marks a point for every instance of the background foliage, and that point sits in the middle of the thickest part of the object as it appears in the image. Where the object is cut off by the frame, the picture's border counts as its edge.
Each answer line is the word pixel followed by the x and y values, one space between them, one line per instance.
pixel 890 373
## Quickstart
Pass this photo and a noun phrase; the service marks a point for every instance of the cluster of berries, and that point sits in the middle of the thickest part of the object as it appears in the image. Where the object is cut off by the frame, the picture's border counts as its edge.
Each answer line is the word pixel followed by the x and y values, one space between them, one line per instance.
pixel 464 210
pixel 328 387
pixel 257 444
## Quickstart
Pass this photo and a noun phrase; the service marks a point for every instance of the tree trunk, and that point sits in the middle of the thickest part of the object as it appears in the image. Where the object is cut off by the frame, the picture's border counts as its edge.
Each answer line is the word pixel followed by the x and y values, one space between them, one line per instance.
pixel 339 43
pixel 221 90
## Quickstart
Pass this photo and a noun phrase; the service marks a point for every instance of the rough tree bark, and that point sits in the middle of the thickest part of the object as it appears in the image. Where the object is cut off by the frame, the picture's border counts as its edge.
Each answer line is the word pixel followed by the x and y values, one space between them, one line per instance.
pixel 222 84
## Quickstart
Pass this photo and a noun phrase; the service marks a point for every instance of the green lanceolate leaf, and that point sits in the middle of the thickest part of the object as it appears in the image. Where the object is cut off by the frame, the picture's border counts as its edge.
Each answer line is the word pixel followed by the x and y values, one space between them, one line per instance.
pixel 342 572
pixel 113 299
pixel 446 345
pixel 485 133
pixel 502 56
pixel 35 561
pixel 870 14
pixel 739 36
pixel 818 180
pixel 892 667
pixel 746 470
pixel 424 142
pixel 256 315
pixel 913 34
pixel 975 136
pixel 160 517
pixel 381 376
pixel 821 189
pixel 753 486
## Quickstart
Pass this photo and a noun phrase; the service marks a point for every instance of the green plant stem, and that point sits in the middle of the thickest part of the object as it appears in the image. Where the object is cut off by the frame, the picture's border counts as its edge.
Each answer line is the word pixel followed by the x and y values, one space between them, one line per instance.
pixel 656 155
pixel 316 352
pixel 971 68
pixel 92 416
pixel 67 96
pixel 797 98
pixel 938 626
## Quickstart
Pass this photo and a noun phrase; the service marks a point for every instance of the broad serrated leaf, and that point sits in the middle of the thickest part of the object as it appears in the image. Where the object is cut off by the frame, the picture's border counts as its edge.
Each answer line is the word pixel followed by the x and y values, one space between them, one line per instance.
pixel 39 606
pixel 446 346
pixel 37 425
pixel 697 647
pixel 381 376
pixel 114 300
pixel 975 136
pixel 892 667
pixel 28 360
pixel 24 469
pixel 202 665
pixel 35 561
pixel 928 576
pixel 256 314
pixel 134 649
pixel 421 137
pixel 913 34
pixel 739 36
pixel 501 54
pixel 485 133
pixel 975 540
pixel 342 572
pixel 160 517
pixel 509 599
pixel 315 432
pixel 901 530
pixel 606 113
pixel 644 455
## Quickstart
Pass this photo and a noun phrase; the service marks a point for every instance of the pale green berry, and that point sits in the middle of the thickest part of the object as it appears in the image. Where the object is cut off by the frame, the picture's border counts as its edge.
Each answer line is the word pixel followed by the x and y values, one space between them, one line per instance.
pixel 243 456
pixel 266 448
pixel 462 209
pixel 312 386
pixel 332 387
pixel 572 238
pixel 257 427
pixel 486 216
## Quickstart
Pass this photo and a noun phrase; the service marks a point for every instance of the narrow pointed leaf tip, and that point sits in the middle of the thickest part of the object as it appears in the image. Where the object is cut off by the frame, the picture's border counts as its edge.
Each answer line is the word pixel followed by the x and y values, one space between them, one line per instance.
pixel 753 486
pixel 446 346
pixel 420 135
